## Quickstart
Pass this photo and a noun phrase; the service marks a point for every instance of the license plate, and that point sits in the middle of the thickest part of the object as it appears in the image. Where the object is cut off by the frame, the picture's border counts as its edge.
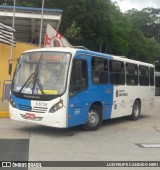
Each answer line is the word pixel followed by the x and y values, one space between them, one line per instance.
pixel 30 116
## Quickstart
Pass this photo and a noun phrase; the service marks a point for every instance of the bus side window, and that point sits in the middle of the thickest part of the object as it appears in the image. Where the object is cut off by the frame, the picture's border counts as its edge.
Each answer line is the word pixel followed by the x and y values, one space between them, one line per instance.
pixel 117 73
pixel 157 66
pixel 79 80
pixel 151 76
pixel 99 69
pixel 131 74
pixel 143 76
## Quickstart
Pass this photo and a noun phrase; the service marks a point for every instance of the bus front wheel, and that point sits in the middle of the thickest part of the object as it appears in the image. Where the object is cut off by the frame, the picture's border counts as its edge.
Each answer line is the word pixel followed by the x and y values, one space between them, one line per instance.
pixel 94 119
pixel 136 110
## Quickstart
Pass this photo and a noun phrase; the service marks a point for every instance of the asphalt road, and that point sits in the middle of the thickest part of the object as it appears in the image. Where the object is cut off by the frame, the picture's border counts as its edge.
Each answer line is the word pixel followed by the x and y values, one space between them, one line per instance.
pixel 116 140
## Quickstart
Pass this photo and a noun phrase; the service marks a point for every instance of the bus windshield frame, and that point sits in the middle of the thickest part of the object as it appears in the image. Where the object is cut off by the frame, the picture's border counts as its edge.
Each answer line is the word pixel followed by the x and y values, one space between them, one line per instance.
pixel 41 75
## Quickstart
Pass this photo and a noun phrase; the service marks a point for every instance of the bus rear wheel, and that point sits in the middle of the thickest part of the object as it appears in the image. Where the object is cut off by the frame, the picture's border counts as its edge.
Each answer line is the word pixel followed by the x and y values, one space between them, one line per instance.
pixel 94 119
pixel 136 110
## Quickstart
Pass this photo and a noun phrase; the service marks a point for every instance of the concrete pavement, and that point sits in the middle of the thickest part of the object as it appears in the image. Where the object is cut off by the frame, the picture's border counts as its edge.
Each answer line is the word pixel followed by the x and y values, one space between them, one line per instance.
pixel 116 140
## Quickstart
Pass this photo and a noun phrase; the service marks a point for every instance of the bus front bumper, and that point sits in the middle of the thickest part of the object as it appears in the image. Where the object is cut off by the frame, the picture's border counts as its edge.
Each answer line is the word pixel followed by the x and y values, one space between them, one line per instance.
pixel 57 119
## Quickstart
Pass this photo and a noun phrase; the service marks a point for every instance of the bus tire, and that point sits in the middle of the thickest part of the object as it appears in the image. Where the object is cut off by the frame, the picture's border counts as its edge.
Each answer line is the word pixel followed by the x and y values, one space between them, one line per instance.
pixel 94 119
pixel 136 110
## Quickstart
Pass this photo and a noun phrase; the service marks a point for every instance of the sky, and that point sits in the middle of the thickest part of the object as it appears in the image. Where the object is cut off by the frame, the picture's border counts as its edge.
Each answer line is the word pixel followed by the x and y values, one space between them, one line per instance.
pixel 138 4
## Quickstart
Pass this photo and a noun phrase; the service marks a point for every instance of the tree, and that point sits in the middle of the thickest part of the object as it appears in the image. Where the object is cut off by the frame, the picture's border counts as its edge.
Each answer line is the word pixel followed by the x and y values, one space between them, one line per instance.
pixel 73 33
pixel 147 20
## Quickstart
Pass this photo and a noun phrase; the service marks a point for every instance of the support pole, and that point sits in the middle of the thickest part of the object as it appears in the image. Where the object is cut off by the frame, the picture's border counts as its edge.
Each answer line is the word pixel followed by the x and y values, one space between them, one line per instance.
pixel 11 50
pixel 40 36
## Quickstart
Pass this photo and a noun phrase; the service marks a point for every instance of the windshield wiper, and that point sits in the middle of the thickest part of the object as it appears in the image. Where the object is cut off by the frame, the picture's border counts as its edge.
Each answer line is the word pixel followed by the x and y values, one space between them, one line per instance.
pixel 40 86
pixel 33 78
pixel 28 80
pixel 37 80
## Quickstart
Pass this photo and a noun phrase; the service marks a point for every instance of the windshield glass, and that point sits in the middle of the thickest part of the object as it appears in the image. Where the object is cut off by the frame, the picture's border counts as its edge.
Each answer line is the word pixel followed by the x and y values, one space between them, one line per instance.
pixel 41 73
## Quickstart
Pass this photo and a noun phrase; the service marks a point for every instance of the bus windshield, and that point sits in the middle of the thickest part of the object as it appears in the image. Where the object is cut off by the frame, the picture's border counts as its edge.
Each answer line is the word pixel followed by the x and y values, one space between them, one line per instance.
pixel 41 73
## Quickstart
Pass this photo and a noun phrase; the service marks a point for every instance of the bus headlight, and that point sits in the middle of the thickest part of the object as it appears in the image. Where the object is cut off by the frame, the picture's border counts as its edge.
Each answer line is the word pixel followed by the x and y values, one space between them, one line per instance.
pixel 12 103
pixel 56 107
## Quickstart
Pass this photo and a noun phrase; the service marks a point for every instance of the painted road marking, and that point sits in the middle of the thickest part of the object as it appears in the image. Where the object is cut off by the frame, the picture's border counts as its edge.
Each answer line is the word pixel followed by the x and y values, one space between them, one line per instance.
pixel 149 145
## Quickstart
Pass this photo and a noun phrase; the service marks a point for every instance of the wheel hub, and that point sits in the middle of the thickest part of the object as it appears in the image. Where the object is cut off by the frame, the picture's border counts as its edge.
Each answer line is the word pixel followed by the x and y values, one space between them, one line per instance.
pixel 93 118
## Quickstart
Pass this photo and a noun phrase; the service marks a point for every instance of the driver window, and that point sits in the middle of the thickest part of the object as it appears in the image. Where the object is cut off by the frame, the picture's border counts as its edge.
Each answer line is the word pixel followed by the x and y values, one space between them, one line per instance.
pixel 78 81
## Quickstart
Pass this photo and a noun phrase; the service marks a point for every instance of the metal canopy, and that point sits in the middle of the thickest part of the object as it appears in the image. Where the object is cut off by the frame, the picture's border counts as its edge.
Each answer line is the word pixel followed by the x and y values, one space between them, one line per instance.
pixel 28 20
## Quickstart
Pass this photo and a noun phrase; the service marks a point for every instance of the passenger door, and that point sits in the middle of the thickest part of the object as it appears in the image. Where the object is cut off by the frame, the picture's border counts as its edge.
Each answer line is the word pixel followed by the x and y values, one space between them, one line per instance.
pixel 77 106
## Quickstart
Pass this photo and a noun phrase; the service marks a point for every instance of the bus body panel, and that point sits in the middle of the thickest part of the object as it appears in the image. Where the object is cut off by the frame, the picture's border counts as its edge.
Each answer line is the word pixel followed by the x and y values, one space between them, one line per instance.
pixel 80 104
pixel 102 93
pixel 125 96
pixel 122 102
pixel 77 105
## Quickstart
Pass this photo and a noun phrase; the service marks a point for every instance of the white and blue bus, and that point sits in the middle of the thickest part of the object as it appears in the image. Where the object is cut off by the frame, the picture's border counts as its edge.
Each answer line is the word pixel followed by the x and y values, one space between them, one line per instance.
pixel 65 87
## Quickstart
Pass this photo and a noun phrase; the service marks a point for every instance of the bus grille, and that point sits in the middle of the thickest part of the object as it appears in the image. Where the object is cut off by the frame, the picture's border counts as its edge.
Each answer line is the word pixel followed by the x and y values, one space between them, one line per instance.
pixel 34 109
pixel 24 107
pixel 39 109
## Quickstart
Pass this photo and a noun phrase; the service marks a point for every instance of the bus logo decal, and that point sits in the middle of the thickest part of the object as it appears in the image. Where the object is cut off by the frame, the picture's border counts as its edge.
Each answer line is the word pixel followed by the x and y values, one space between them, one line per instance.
pixel 77 111
pixel 122 93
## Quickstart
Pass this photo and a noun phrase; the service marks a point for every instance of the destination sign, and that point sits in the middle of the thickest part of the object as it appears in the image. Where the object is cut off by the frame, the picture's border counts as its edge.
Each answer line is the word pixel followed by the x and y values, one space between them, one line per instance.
pixel 46 58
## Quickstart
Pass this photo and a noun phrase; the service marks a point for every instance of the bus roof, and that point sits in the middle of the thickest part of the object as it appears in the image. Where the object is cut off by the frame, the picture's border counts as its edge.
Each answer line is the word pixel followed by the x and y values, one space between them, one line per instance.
pixel 63 49
pixel 131 61
pixel 88 52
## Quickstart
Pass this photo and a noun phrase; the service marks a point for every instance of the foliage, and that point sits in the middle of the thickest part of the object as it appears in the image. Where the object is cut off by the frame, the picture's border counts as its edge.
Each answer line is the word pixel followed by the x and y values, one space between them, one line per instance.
pixel 147 20
pixel 73 33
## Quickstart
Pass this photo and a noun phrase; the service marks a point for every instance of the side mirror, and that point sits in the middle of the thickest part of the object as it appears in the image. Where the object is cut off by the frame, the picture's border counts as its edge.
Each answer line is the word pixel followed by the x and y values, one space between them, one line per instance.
pixel 10 69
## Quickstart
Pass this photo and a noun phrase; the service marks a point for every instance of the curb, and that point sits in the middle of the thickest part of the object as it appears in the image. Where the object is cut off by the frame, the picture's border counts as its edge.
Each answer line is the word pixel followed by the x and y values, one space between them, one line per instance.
pixel 4 114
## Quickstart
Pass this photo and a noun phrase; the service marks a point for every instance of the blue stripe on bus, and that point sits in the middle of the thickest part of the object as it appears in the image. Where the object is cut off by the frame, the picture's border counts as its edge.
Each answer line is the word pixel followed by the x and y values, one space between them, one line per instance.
pixel 22 104
pixel 92 53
